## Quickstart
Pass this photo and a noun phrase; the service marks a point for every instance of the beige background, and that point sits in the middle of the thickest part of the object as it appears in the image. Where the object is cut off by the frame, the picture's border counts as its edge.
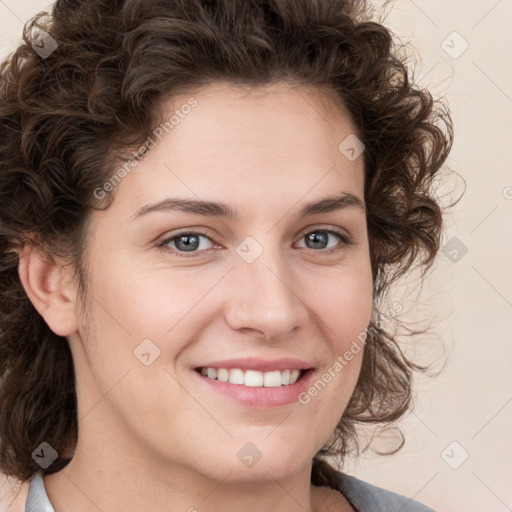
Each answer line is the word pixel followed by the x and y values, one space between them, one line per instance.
pixel 467 409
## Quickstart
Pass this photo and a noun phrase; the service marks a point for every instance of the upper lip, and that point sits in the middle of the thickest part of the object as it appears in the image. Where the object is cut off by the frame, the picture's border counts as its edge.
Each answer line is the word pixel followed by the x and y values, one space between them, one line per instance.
pixel 262 365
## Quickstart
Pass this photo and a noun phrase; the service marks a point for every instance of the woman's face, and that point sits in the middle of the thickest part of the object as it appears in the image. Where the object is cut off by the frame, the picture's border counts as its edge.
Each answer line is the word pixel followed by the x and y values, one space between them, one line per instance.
pixel 270 289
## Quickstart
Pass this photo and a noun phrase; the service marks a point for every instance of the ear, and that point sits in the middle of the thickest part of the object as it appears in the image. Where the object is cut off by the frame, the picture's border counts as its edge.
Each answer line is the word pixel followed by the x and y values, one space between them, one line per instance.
pixel 49 287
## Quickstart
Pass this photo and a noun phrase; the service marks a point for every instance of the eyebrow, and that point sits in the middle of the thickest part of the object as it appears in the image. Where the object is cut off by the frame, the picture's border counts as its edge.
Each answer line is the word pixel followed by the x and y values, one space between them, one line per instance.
pixel 211 208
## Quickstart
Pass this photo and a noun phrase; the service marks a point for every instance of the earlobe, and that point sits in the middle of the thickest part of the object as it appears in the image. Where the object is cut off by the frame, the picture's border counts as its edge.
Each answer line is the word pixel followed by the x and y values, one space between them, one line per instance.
pixel 46 284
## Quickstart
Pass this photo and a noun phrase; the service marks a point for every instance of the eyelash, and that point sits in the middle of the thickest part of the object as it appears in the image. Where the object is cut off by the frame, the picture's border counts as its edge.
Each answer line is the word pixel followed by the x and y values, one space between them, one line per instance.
pixel 345 239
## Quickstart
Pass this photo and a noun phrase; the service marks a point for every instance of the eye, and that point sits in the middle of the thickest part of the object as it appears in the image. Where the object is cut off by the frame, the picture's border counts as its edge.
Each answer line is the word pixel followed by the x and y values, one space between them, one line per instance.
pixel 187 241
pixel 319 239
pixel 190 242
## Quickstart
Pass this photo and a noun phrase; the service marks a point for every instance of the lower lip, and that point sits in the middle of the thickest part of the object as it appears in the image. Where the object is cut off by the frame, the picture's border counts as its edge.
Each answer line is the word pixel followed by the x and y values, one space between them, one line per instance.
pixel 260 396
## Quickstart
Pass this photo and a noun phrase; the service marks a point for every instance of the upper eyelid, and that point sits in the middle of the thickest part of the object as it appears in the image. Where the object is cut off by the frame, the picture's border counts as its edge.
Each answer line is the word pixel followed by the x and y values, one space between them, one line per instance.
pixel 208 232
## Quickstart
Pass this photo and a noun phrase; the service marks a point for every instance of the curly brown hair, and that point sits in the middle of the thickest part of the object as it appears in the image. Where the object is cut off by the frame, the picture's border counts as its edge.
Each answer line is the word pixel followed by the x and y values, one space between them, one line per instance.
pixel 69 116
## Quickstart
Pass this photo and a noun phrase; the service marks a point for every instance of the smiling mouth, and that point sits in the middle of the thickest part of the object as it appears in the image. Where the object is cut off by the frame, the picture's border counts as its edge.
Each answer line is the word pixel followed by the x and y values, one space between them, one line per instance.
pixel 253 378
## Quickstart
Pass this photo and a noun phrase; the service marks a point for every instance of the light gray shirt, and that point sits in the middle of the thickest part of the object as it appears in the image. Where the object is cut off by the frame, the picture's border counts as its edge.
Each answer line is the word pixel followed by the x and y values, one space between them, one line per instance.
pixel 363 497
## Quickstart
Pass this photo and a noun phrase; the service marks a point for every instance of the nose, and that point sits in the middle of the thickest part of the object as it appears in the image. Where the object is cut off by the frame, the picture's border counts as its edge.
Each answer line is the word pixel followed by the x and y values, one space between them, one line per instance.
pixel 266 299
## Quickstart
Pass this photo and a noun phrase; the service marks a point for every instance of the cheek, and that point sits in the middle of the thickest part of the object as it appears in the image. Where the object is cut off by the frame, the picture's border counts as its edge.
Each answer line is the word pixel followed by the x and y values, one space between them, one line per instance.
pixel 144 303
pixel 344 302
pixel 344 309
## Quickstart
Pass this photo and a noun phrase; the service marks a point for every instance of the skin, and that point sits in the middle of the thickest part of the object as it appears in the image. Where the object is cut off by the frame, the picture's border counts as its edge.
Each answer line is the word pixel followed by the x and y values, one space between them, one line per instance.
pixel 150 436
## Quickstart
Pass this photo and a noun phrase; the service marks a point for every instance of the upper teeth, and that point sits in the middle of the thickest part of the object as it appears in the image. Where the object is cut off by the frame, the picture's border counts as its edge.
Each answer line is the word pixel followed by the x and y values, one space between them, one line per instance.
pixel 252 378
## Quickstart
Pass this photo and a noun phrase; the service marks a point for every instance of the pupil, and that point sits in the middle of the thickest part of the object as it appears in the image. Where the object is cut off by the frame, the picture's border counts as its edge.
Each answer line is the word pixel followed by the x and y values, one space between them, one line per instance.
pixel 188 245
pixel 317 238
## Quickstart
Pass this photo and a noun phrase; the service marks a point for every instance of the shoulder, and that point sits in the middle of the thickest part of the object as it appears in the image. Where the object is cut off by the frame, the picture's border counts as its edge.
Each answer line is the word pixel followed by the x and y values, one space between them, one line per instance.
pixel 37 499
pixel 367 497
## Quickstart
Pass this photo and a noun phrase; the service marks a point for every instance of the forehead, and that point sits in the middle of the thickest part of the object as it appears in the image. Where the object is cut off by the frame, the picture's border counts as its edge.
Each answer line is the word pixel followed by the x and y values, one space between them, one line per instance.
pixel 255 144
pixel 265 109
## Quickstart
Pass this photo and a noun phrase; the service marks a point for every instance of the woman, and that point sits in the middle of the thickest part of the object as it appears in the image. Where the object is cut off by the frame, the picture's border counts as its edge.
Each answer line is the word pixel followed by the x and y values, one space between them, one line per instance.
pixel 203 205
